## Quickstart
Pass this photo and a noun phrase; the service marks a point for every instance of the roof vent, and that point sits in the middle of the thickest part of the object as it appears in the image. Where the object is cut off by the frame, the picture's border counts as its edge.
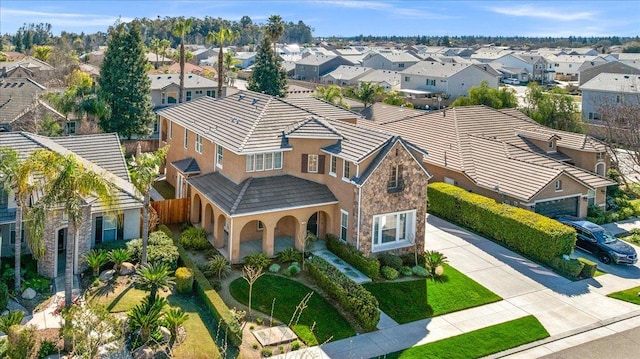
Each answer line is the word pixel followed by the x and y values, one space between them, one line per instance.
pixel 190 76
pixel 240 97
pixel 235 120
pixel 626 76
pixel 159 77
pixel 255 101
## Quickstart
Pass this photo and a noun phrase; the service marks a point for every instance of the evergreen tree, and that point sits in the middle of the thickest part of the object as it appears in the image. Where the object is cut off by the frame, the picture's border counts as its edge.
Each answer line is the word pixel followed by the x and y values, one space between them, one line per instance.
pixel 124 85
pixel 268 76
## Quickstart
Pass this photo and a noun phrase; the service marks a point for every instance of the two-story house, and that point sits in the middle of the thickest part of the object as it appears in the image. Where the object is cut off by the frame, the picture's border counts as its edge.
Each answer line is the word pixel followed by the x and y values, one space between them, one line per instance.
pixel 313 67
pixel 165 88
pixel 345 75
pixel 504 155
pixel 21 108
pixel 100 153
pixel 606 91
pixel 395 61
pixel 262 171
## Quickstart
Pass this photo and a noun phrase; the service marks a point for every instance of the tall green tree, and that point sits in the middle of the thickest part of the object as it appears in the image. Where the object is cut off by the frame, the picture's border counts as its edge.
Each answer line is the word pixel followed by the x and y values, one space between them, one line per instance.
pixel 165 45
pixel 230 63
pixel 181 28
pixel 268 76
pixel 68 183
pixel 154 46
pixel 366 92
pixel 144 171
pixel 223 35
pixel 503 97
pixel 553 109
pixel 274 30
pixel 332 94
pixel 124 86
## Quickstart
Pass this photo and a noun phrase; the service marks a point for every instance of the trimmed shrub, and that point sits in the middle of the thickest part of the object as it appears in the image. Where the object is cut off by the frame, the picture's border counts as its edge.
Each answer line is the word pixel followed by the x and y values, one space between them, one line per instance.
pixel 523 231
pixel 4 296
pixel 218 266
pixel 194 238
pixel 184 280
pixel 160 248
pixel 589 268
pixel 406 271
pixel 274 268
pixel 368 266
pixel 289 255
pixel 390 260
pixel 569 268
pixel 420 271
pixel 389 273
pixel 212 300
pixel 352 297
pixel 164 229
pixel 257 260
pixel 292 270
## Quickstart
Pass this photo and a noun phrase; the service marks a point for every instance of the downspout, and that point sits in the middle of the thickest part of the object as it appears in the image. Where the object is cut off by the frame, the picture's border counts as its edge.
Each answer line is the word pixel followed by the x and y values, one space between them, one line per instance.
pixel 358 225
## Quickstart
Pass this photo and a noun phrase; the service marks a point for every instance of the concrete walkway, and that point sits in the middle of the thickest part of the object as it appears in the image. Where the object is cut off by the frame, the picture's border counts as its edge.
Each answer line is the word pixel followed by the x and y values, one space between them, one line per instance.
pixel 565 308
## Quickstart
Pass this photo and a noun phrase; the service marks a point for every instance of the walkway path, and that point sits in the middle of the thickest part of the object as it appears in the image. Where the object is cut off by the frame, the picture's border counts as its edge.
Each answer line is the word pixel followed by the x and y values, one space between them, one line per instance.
pixel 564 307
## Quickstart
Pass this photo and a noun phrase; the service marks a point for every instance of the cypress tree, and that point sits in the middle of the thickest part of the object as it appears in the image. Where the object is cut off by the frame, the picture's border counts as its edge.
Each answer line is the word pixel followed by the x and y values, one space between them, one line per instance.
pixel 124 86
pixel 268 76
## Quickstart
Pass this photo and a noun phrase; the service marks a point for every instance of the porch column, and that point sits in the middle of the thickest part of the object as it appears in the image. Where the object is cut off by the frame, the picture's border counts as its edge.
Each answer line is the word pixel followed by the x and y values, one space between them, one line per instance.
pixel 218 238
pixel 301 233
pixel 234 239
pixel 268 239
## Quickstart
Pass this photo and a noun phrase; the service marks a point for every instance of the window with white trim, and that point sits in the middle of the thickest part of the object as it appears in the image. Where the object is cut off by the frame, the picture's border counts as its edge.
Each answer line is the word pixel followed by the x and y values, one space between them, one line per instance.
pixel 198 143
pixel 312 163
pixel 334 165
pixel 346 170
pixel 393 230
pixel 344 224
pixel 186 138
pixel 260 162
pixel 268 161
pixel 109 228
pixel 219 154
pixel 558 185
pixel 264 161
pixel 277 160
pixel 591 197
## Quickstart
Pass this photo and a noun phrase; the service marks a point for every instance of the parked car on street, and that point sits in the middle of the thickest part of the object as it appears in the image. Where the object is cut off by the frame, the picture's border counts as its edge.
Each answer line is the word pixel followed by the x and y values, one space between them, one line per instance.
pixel 511 81
pixel 602 244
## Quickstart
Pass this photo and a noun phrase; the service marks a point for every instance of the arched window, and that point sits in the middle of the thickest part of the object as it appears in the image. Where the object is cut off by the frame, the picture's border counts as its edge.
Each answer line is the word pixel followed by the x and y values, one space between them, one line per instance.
pixel 601 169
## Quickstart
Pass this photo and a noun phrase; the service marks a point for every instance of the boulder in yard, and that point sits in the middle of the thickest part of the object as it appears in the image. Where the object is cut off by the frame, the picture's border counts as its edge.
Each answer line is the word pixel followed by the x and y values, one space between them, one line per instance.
pixel 107 275
pixel 143 352
pixel 29 293
pixel 127 268
pixel 166 333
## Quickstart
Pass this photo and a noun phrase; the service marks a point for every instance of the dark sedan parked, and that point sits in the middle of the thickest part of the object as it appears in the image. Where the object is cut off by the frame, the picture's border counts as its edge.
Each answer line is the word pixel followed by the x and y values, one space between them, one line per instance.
pixel 602 244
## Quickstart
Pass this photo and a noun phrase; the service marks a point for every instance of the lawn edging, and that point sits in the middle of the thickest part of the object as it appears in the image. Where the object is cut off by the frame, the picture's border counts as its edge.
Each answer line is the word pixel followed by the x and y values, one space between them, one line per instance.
pixel 209 296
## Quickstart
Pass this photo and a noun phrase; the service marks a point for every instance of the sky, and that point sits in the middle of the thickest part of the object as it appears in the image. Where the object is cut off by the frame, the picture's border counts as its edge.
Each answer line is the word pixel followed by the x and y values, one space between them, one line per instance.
pixel 351 17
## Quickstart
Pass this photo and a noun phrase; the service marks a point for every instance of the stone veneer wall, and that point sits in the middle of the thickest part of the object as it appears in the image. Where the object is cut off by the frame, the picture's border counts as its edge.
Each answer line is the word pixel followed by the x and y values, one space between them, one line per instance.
pixel 376 200
pixel 55 222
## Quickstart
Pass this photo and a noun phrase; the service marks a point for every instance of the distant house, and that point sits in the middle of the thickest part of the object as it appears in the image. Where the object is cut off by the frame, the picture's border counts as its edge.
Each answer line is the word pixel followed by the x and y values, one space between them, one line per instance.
pixel 246 59
pixel 387 79
pixel 345 75
pixel 313 67
pixel 608 89
pixel 165 88
pixel 613 67
pixel 504 155
pixel 202 54
pixel 395 61
pixel 567 67
pixel 29 67
pixel 525 67
pixel 100 153
pixel 22 110
pixel 456 80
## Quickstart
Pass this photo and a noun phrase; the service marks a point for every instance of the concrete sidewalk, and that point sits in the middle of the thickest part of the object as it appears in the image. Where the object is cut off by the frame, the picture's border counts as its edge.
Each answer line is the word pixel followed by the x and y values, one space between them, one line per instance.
pixel 563 307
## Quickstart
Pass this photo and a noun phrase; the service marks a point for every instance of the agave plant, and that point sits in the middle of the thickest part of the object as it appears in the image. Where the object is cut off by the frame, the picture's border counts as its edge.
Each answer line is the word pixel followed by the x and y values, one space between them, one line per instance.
pixel 433 261
pixel 119 256
pixel 146 316
pixel 96 259
pixel 154 276
pixel 173 319
pixel 219 266
pixel 11 319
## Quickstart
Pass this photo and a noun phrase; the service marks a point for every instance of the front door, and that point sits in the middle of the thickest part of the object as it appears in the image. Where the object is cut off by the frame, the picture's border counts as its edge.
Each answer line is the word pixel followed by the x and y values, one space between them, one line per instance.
pixel 312 224
pixel 62 246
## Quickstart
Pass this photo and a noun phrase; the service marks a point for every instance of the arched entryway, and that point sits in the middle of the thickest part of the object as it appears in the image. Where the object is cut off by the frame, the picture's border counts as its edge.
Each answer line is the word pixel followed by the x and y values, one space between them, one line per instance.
pixel 286 231
pixel 317 223
pixel 207 223
pixel 196 209
pixel 221 232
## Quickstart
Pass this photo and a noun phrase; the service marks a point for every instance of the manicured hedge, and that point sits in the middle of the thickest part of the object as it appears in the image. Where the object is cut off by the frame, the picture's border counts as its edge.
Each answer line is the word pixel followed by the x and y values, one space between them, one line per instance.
pixel 211 298
pixel 354 298
pixel 368 266
pixel 570 268
pixel 529 233
pixel 589 268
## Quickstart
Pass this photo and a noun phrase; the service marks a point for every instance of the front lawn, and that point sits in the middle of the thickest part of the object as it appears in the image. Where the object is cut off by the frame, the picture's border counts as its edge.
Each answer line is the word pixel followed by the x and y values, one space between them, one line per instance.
pixel 479 343
pixel 325 320
pixel 629 295
pixel 406 301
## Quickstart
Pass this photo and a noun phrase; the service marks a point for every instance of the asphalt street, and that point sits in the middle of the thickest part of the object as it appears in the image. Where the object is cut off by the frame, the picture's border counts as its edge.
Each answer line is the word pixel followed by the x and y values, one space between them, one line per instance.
pixel 623 345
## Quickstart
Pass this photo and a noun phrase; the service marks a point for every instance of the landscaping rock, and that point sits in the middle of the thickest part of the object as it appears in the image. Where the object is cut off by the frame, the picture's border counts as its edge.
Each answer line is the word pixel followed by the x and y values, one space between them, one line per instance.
pixel 29 293
pixel 107 275
pixel 166 333
pixel 127 268
pixel 143 352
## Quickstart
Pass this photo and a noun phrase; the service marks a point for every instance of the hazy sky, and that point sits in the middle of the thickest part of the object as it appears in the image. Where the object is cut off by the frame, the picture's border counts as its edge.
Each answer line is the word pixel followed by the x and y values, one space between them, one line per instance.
pixel 350 17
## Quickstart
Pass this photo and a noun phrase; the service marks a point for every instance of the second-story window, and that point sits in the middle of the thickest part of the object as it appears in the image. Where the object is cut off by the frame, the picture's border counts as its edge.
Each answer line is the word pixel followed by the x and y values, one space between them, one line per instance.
pixel 558 185
pixel 268 161
pixel 188 95
pixel 334 165
pixel 264 161
pixel 186 138
pixel 164 98
pixel 312 163
pixel 346 170
pixel 198 143
pixel 219 153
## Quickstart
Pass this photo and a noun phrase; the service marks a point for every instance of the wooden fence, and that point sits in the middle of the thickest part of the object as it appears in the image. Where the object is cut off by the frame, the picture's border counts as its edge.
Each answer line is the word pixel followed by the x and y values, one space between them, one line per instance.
pixel 172 211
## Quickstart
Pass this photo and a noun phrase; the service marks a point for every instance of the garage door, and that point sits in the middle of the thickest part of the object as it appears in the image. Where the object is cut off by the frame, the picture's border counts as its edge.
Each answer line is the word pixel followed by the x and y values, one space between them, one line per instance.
pixel 557 207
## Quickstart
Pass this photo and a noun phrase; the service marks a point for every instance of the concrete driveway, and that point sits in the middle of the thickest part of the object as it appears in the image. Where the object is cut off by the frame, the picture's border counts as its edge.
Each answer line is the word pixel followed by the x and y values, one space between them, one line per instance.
pixel 561 305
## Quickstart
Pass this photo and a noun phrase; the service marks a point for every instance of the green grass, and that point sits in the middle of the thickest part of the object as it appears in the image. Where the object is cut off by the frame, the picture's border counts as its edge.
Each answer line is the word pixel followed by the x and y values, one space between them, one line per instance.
pixel 122 301
pixel 166 190
pixel 598 273
pixel 629 295
pixel 479 343
pixel 329 324
pixel 406 301
pixel 633 239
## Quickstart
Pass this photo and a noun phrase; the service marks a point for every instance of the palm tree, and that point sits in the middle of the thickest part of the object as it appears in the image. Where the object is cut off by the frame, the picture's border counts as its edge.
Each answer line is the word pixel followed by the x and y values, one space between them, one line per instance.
pixel 172 320
pixel 15 178
pixel 155 48
pixel 223 35
pixel 144 171
pixel 367 92
pixel 274 30
pixel 164 47
pixel 145 316
pixel 154 276
pixel 181 29
pixel 331 94
pixel 67 184
pixel 230 63
pixel 96 259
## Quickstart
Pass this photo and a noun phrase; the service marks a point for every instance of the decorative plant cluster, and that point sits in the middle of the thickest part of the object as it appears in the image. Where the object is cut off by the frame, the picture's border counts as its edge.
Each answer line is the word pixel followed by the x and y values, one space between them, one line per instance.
pixel 159 249
pixel 368 266
pixel 194 238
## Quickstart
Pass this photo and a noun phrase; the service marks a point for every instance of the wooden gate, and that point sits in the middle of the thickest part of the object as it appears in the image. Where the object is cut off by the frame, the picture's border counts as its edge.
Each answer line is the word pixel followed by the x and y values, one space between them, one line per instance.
pixel 172 211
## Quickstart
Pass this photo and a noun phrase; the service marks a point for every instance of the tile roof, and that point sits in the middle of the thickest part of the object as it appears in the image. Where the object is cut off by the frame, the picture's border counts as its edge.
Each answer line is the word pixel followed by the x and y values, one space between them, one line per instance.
pixel 161 81
pixel 491 147
pixel 621 83
pixel 187 165
pixel 312 127
pixel 346 72
pixel 377 76
pixel 17 95
pixel 260 194
pixel 25 143
pixel 250 122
